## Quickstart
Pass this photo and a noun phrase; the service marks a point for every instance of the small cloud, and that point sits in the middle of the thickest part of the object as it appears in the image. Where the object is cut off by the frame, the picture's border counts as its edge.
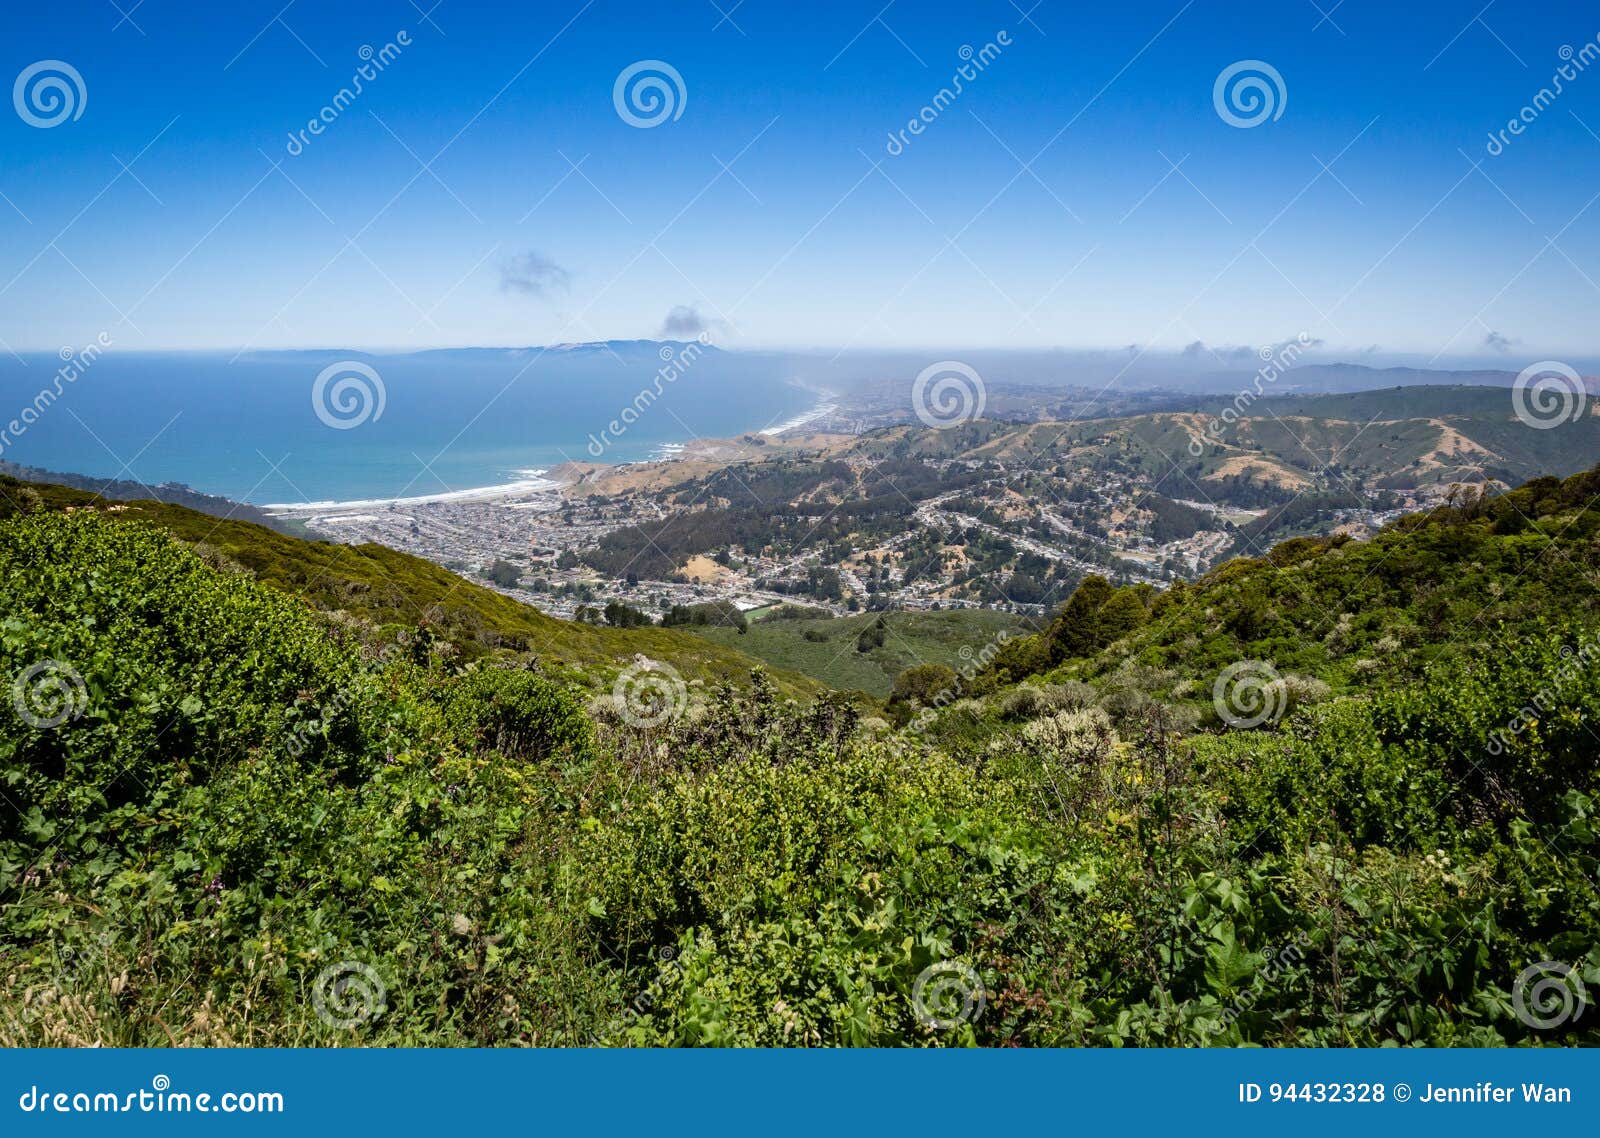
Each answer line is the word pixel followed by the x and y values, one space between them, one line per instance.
pixel 1194 349
pixel 684 322
pixel 1495 342
pixel 533 275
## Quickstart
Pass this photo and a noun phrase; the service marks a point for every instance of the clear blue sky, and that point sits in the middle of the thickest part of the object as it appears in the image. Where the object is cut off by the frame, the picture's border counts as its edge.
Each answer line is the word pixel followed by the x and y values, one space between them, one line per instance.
pixel 800 242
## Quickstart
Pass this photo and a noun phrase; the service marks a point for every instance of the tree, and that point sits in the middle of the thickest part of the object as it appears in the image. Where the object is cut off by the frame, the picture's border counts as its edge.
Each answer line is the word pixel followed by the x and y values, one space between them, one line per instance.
pixel 503 573
pixel 1075 632
pixel 873 636
pixel 924 684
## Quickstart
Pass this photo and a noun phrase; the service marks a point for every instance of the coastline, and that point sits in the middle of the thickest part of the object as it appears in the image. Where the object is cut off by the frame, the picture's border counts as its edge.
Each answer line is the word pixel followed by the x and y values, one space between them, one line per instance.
pixel 537 481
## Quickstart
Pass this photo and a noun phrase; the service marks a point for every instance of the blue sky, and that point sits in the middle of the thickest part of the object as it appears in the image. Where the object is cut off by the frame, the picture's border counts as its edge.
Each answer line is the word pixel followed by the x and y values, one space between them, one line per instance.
pixel 1041 207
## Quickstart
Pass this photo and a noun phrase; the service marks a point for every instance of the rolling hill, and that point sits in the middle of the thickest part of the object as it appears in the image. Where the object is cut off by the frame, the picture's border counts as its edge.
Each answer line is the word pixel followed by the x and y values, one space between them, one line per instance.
pixel 385 588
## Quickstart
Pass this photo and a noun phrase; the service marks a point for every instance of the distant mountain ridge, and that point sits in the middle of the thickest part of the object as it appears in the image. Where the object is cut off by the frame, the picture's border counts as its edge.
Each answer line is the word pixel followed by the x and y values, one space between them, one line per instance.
pixel 1340 378
pixel 625 348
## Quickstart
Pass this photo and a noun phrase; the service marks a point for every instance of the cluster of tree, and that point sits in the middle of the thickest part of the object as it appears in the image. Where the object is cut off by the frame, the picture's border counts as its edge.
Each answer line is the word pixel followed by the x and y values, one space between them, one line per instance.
pixel 796 612
pixel 821 582
pixel 1173 521
pixel 503 573
pixel 873 636
pixel 716 614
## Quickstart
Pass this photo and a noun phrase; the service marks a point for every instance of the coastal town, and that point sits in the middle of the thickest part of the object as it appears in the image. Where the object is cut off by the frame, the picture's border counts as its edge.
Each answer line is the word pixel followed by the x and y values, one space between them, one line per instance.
pixel 956 530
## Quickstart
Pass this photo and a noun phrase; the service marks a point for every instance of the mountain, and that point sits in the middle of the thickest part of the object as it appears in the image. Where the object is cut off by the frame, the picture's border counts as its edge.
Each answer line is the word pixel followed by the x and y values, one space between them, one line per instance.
pixel 1391 438
pixel 1347 377
pixel 1307 378
pixel 630 350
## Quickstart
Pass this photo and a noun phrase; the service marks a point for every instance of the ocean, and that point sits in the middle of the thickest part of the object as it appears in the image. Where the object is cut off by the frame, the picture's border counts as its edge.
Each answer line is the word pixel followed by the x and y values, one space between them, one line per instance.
pixel 330 426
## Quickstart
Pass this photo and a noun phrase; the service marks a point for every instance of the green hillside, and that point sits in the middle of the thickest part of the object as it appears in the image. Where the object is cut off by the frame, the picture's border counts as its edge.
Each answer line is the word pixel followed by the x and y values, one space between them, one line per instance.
pixel 1340 795
pixel 392 591
pixel 832 650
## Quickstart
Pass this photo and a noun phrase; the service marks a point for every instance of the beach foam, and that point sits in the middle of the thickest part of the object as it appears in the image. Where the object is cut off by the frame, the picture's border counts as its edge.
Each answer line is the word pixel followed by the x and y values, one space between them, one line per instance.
pixel 519 489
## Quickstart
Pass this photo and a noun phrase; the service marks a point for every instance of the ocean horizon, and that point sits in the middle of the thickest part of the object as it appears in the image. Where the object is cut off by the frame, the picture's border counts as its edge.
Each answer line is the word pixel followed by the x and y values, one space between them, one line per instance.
pixel 337 428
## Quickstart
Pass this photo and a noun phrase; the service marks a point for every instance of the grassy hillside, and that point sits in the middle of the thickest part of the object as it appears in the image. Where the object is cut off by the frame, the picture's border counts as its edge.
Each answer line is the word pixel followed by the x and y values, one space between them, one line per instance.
pixel 393 590
pixel 231 820
pixel 1457 584
pixel 1396 437
pixel 830 650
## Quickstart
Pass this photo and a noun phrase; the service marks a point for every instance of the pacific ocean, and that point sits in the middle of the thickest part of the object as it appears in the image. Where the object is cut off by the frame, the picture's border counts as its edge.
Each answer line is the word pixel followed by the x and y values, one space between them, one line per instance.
pixel 260 428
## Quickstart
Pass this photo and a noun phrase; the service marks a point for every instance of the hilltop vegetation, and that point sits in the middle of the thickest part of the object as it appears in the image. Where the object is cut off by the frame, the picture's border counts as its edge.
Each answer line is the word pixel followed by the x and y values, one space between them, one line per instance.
pixel 392 593
pixel 866 652
pixel 231 818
